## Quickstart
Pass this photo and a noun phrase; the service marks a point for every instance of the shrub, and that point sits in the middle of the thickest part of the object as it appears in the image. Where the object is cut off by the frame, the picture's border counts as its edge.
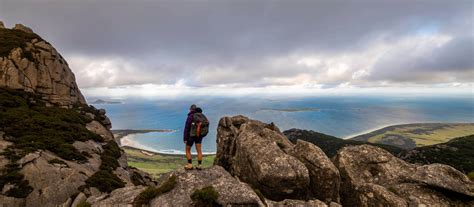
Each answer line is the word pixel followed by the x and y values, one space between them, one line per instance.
pixel 205 197
pixel 30 125
pixel 471 175
pixel 105 181
pixel 12 38
pixel 281 145
pixel 11 175
pixel 137 179
pixel 57 161
pixel 84 204
pixel 110 155
pixel 392 189
pixel 148 194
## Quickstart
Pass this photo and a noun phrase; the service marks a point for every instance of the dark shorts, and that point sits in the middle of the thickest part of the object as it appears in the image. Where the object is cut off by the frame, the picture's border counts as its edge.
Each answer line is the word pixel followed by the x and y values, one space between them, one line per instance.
pixel 193 140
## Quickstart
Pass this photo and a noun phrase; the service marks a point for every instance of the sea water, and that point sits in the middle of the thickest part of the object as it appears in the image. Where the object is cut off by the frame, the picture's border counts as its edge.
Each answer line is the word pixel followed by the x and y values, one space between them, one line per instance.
pixel 340 116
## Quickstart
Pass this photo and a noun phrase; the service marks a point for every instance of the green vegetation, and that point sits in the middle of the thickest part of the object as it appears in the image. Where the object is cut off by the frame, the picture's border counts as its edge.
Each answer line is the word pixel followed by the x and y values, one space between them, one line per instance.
pixel 458 153
pixel 260 195
pixel 409 136
pixel 281 145
pixel 471 175
pixel 12 38
pixel 84 204
pixel 205 197
pixel 392 189
pixel 137 179
pixel 330 144
pixel 158 164
pixel 104 179
pixel 57 161
pixel 31 126
pixel 148 194
pixel 11 175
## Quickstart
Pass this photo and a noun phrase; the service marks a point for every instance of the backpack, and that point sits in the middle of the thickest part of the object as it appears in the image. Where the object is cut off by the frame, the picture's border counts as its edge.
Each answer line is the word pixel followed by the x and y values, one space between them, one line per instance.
pixel 199 126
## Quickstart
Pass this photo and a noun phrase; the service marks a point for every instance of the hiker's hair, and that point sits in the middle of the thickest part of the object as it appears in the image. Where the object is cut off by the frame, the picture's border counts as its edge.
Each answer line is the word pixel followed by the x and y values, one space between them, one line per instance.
pixel 193 107
pixel 198 110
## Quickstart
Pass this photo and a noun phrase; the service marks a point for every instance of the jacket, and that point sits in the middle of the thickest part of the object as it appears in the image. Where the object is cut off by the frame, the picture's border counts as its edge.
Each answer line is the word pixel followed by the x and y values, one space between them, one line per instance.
pixel 187 126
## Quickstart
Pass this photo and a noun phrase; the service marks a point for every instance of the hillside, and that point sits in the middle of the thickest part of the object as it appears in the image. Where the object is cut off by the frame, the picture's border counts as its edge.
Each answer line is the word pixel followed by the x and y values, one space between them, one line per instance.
pixel 409 136
pixel 330 144
pixel 458 152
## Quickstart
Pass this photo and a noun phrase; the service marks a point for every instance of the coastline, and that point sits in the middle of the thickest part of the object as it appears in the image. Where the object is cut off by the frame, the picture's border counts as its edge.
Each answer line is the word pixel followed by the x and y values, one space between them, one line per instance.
pixel 125 139
pixel 372 130
pixel 120 133
pixel 398 124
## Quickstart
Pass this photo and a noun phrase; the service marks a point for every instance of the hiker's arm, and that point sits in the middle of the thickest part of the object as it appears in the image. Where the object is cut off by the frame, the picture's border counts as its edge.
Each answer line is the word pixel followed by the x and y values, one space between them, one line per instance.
pixel 187 127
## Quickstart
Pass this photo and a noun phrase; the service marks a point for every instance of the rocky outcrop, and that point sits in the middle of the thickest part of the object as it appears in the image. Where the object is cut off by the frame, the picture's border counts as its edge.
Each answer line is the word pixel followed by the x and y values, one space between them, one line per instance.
pixel 324 176
pixel 297 203
pixel 259 154
pixel 54 182
pixel 120 197
pixel 85 161
pixel 231 191
pixel 36 66
pixel 371 175
pixel 23 28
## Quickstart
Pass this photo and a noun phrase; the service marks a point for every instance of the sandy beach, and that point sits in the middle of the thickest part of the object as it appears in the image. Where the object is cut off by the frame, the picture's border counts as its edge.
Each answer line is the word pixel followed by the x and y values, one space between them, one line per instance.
pixel 127 138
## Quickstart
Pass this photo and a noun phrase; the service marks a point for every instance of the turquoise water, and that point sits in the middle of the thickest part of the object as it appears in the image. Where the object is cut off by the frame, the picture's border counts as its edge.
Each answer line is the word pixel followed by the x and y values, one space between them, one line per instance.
pixel 340 116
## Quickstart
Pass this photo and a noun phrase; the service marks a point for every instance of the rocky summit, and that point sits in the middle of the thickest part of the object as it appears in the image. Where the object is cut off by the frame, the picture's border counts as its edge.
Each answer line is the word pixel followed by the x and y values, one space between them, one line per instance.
pixel 55 150
pixel 32 64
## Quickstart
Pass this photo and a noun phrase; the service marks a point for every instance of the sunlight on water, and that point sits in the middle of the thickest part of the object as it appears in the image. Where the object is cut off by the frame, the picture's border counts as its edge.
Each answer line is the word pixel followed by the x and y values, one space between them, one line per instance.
pixel 338 116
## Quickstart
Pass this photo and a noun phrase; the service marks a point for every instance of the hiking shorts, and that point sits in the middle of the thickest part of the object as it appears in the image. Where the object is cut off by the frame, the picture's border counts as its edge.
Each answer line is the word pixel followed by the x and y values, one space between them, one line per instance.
pixel 193 140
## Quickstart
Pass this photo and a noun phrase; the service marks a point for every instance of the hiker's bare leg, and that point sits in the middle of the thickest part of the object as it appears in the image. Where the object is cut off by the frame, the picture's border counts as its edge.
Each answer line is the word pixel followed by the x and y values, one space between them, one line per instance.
pixel 199 151
pixel 188 152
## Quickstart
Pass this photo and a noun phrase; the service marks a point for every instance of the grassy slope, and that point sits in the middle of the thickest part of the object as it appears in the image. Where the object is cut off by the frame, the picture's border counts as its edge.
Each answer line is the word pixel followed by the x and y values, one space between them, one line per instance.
pixel 421 134
pixel 158 163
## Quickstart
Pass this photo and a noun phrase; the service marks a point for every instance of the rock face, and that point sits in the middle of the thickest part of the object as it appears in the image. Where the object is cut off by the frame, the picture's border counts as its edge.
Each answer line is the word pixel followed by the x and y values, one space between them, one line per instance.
pixel 37 67
pixel 259 154
pixel 371 175
pixel 231 191
pixel 37 176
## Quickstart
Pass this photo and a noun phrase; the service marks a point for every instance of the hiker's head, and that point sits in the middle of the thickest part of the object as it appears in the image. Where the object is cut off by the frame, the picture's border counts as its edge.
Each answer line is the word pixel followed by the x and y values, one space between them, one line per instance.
pixel 192 107
pixel 198 110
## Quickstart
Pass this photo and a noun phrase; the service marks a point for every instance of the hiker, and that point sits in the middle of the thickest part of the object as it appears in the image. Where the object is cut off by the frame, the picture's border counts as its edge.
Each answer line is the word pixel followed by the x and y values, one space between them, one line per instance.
pixel 196 128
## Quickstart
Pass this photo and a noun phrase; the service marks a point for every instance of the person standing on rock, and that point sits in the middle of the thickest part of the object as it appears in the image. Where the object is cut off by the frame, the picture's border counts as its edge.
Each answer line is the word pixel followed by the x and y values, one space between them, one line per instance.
pixel 196 128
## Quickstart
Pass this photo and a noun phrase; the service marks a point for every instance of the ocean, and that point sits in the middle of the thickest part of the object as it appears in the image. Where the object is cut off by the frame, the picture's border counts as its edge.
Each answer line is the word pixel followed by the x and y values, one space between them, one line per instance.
pixel 340 116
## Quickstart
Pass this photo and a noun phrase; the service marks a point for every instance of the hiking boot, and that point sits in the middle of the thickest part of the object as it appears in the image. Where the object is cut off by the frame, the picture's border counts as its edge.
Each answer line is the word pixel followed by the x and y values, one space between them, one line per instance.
pixel 188 166
pixel 199 167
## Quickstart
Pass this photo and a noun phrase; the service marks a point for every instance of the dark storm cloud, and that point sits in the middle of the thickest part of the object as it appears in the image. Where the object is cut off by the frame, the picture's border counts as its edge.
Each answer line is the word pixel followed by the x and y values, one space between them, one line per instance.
pixel 250 43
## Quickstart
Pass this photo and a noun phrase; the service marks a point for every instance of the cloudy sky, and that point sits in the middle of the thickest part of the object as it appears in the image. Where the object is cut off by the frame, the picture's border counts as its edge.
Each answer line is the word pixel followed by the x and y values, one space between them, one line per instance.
pixel 258 45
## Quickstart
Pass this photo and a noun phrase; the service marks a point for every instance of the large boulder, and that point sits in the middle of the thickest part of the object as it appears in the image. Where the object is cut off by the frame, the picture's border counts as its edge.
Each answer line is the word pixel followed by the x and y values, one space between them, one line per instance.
pixel 259 154
pixel 371 175
pixel 324 176
pixel 231 191
pixel 120 197
pixel 53 179
pixel 36 66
